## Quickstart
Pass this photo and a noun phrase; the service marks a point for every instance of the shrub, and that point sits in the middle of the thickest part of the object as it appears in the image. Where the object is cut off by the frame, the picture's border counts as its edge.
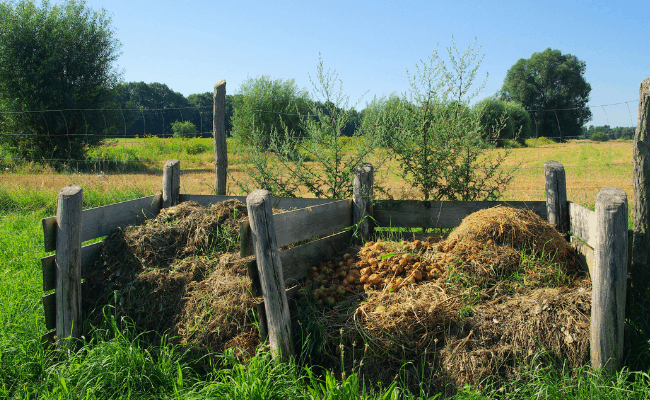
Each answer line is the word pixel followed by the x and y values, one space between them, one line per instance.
pixel 184 129
pixel 599 137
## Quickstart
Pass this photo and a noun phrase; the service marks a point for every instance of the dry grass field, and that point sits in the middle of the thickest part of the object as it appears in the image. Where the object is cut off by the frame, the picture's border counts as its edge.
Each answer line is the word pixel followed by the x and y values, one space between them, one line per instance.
pixel 589 167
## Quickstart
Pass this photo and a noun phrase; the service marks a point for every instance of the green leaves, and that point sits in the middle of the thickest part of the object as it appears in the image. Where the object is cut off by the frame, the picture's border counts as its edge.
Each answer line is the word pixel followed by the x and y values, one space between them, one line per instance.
pixel 552 86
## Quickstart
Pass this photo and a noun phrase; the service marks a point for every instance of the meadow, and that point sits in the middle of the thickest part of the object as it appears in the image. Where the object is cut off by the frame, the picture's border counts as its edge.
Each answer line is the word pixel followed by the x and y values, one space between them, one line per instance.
pixel 114 362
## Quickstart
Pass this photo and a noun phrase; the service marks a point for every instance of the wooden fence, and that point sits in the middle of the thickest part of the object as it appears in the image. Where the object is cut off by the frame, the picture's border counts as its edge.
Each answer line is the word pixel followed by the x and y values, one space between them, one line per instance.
pixel 601 237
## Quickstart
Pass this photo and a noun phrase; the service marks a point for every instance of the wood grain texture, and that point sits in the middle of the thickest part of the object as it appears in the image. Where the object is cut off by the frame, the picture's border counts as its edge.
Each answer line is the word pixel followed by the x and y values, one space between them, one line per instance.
pixel 297 260
pixel 585 255
pixel 582 223
pixel 68 262
pixel 269 266
pixel 306 223
pixel 609 280
pixel 48 264
pixel 362 194
pixel 283 203
pixel 219 134
pixel 445 214
pixel 49 310
pixel 641 158
pixel 556 200
pixel 102 221
pixel 171 183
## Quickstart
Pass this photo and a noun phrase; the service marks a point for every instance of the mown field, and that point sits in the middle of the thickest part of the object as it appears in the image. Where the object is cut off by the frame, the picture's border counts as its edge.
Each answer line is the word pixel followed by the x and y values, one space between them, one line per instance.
pixel 116 363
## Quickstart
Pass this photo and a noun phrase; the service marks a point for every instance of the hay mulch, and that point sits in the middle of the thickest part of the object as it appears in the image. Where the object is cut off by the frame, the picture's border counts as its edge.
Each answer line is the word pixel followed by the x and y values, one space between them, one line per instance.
pixel 508 291
pixel 179 274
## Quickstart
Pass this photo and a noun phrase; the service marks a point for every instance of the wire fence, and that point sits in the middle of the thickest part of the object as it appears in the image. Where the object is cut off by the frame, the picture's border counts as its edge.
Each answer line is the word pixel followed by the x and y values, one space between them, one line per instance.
pixel 135 144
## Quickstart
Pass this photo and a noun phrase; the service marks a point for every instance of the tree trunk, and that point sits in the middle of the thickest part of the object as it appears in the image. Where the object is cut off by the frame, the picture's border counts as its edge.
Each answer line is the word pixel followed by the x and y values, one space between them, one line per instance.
pixel 641 244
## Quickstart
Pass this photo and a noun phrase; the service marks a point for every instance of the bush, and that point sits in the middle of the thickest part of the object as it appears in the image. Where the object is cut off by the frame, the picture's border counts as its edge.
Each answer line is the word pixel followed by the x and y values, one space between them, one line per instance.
pixel 540 141
pixel 184 129
pixel 599 137
pixel 196 147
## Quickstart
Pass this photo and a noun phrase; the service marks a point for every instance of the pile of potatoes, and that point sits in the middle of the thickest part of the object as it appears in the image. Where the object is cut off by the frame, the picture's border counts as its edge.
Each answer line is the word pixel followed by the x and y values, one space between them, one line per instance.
pixel 374 267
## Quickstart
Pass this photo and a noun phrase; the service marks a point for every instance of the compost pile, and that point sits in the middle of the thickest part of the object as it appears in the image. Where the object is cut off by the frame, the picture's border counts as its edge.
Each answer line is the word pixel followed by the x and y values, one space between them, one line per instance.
pixel 179 274
pixel 485 302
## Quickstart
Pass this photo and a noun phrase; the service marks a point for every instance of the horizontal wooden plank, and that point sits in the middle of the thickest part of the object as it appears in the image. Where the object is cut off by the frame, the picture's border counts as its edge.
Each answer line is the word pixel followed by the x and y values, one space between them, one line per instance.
pixel 48 265
pixel 49 310
pixel 302 224
pixel 582 223
pixel 297 260
pixel 101 221
pixel 48 339
pixel 585 254
pixel 439 214
pixel 284 203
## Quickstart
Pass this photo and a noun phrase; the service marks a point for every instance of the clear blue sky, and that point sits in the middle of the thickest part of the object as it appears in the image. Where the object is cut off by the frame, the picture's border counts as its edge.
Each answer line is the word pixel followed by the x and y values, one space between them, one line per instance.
pixel 191 45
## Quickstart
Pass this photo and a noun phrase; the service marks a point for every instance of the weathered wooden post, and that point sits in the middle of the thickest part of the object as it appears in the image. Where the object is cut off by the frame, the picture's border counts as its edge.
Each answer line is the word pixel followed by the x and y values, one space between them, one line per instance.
pixel 609 280
pixel 219 133
pixel 641 241
pixel 68 263
pixel 171 183
pixel 362 191
pixel 260 217
pixel 557 206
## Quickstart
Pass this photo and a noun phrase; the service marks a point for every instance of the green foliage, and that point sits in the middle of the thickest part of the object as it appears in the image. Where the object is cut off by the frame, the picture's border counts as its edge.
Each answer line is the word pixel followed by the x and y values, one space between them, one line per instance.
pixel 550 81
pixel 540 141
pixel 264 107
pixel 503 120
pixel 59 57
pixel 150 108
pixel 620 132
pixel 383 118
pixel 184 130
pixel 323 159
pixel 599 137
pixel 436 138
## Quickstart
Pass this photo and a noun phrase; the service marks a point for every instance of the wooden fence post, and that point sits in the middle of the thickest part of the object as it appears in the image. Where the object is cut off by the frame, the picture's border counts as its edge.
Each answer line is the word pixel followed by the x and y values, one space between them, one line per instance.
pixel 609 280
pixel 269 265
pixel 641 241
pixel 557 207
pixel 219 133
pixel 68 263
pixel 171 183
pixel 361 197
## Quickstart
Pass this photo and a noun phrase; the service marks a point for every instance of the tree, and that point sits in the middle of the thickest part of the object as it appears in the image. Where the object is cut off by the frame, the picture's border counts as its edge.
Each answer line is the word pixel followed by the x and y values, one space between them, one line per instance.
pixel 439 143
pixel 152 107
pixel 56 62
pixel 553 88
pixel 204 102
pixel 265 106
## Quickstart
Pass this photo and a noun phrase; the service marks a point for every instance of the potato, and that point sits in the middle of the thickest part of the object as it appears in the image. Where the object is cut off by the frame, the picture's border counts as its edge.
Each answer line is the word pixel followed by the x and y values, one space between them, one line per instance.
pixel 375 278
pixel 366 271
pixel 417 274
pixel 364 278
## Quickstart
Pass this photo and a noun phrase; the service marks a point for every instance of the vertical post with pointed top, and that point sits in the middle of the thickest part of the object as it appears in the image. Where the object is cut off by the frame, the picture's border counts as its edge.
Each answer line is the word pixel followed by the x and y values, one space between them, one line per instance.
pixel 219 132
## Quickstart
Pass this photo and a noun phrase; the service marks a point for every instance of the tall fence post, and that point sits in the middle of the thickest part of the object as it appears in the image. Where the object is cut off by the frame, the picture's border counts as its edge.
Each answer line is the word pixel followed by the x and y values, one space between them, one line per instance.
pixel 641 240
pixel 269 265
pixel 171 183
pixel 68 263
pixel 362 191
pixel 609 281
pixel 557 207
pixel 219 133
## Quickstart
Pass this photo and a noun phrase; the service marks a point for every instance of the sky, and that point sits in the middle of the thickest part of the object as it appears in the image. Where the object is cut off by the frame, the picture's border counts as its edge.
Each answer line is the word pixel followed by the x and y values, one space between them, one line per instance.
pixel 189 46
